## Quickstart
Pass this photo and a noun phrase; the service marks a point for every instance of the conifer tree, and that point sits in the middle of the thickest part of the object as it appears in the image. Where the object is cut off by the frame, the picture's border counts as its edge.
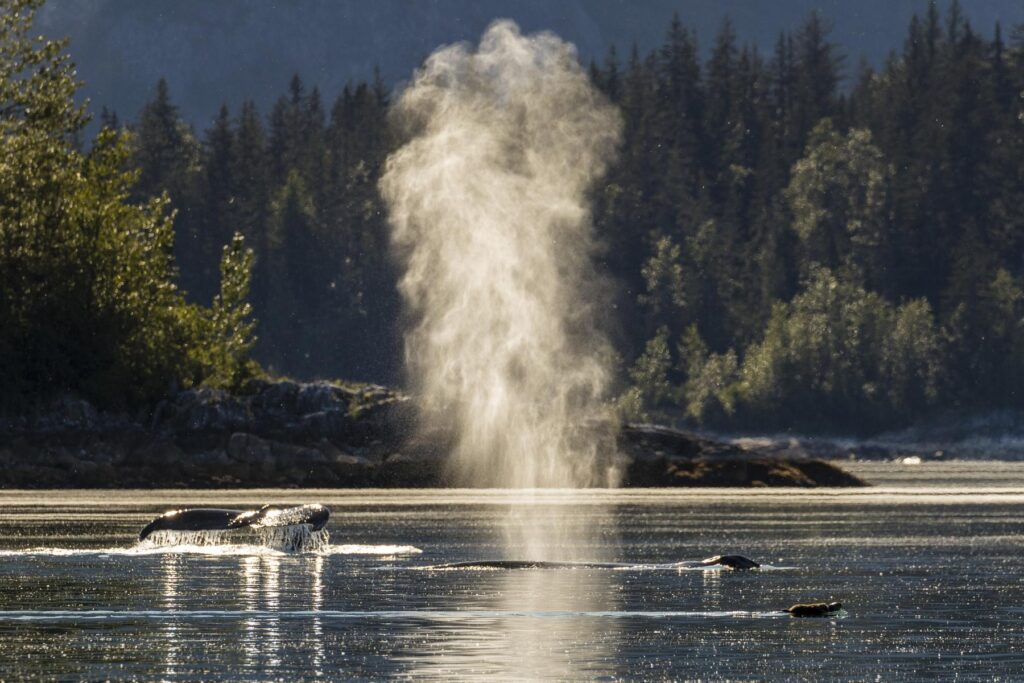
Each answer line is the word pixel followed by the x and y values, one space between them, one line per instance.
pixel 217 193
pixel 751 200
pixel 88 300
pixel 166 154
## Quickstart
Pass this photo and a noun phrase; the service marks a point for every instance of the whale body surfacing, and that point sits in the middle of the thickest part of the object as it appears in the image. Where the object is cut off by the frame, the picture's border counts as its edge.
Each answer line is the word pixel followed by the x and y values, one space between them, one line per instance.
pixel 733 562
pixel 220 519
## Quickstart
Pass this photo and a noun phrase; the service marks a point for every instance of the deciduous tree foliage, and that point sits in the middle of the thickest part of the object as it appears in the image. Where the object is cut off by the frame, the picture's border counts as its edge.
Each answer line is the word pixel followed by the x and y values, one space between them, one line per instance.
pixel 88 300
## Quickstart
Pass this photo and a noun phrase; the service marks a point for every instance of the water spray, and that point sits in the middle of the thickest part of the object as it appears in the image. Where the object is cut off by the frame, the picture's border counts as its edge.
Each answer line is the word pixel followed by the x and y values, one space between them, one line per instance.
pixel 488 204
pixel 489 215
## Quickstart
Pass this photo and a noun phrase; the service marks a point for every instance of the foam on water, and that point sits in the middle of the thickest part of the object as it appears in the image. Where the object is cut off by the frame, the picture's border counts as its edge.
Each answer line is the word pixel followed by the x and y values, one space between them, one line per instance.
pixel 684 565
pixel 266 541
pixel 143 549
pixel 289 539
pixel 354 549
pixel 426 614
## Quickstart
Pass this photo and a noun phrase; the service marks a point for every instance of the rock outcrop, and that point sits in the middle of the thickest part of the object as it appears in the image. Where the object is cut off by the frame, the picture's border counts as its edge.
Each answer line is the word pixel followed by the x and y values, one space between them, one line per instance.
pixel 661 456
pixel 291 434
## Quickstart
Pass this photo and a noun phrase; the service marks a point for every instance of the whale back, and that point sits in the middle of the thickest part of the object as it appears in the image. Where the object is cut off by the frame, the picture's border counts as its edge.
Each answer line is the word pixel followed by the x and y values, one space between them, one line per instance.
pixel 196 519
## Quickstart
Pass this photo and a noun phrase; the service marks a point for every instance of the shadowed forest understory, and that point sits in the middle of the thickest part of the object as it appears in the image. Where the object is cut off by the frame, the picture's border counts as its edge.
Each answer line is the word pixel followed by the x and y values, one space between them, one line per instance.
pixel 790 240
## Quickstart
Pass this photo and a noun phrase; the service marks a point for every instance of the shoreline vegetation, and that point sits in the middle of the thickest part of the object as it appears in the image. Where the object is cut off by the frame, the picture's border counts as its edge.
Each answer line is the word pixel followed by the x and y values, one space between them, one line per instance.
pixel 322 434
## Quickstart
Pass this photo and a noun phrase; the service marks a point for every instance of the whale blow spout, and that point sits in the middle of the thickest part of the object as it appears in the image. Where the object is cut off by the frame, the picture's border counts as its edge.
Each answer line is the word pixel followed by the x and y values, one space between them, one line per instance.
pixel 488 201
pixel 489 205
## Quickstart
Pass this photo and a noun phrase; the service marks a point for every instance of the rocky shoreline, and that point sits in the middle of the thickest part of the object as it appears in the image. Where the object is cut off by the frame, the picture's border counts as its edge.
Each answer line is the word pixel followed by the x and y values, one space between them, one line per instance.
pixel 323 434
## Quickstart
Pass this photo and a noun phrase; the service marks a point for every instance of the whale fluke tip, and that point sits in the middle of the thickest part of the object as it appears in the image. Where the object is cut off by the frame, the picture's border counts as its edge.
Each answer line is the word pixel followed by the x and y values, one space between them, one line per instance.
pixel 217 519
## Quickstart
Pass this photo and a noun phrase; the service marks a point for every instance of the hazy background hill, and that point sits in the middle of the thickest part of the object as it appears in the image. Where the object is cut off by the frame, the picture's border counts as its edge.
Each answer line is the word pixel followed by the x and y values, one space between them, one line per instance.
pixel 230 50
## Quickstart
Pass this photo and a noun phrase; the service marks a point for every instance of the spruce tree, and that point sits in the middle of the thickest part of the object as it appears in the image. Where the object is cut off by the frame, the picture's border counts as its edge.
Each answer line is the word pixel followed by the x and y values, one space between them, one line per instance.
pixel 217 215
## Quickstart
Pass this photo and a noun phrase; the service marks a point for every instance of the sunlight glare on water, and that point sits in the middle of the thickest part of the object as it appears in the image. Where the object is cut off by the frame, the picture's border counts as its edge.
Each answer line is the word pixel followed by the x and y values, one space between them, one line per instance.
pixel 919 601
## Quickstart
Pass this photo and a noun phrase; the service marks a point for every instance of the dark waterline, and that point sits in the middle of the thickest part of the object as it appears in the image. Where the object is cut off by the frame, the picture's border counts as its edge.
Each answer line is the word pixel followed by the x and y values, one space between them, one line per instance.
pixel 929 574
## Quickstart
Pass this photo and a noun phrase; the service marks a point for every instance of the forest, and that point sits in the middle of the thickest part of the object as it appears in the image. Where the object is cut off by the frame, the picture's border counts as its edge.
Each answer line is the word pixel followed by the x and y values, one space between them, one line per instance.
pixel 794 241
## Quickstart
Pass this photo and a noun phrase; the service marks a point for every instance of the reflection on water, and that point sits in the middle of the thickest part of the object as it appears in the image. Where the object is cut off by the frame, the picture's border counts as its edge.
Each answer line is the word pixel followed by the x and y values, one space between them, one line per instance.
pixel 316 601
pixel 522 642
pixel 557 648
pixel 171 574
pixel 711 583
pixel 190 596
pixel 531 625
pixel 270 639
pixel 250 598
pixel 264 599
pixel 929 579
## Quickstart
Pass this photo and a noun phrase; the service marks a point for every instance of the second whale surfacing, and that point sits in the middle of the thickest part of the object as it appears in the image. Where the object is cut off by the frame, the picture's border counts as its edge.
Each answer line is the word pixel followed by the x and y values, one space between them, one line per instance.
pixel 734 562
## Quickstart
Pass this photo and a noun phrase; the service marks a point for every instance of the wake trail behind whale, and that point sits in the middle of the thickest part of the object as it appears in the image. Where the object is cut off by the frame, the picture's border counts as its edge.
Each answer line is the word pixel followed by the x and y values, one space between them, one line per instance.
pixel 523 565
pixel 426 615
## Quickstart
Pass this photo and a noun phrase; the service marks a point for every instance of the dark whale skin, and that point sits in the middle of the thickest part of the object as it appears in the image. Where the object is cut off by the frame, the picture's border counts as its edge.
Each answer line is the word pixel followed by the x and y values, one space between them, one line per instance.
pixel 219 519
pixel 814 609
pixel 729 561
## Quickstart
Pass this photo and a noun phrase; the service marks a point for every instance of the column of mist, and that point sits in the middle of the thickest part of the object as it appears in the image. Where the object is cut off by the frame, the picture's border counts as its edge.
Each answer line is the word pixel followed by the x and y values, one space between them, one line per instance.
pixel 490 219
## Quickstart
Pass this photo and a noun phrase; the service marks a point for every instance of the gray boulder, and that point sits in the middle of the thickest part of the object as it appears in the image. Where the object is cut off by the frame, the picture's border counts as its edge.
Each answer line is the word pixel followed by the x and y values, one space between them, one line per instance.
pixel 247 448
pixel 209 410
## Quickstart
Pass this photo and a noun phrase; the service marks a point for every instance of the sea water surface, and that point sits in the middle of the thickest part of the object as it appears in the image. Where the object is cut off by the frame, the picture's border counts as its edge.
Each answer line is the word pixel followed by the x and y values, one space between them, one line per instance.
pixel 927 564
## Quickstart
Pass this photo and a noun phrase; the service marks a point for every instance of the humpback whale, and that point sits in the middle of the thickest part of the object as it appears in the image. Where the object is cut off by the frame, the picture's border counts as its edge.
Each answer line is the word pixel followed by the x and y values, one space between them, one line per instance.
pixel 220 519
pixel 729 561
